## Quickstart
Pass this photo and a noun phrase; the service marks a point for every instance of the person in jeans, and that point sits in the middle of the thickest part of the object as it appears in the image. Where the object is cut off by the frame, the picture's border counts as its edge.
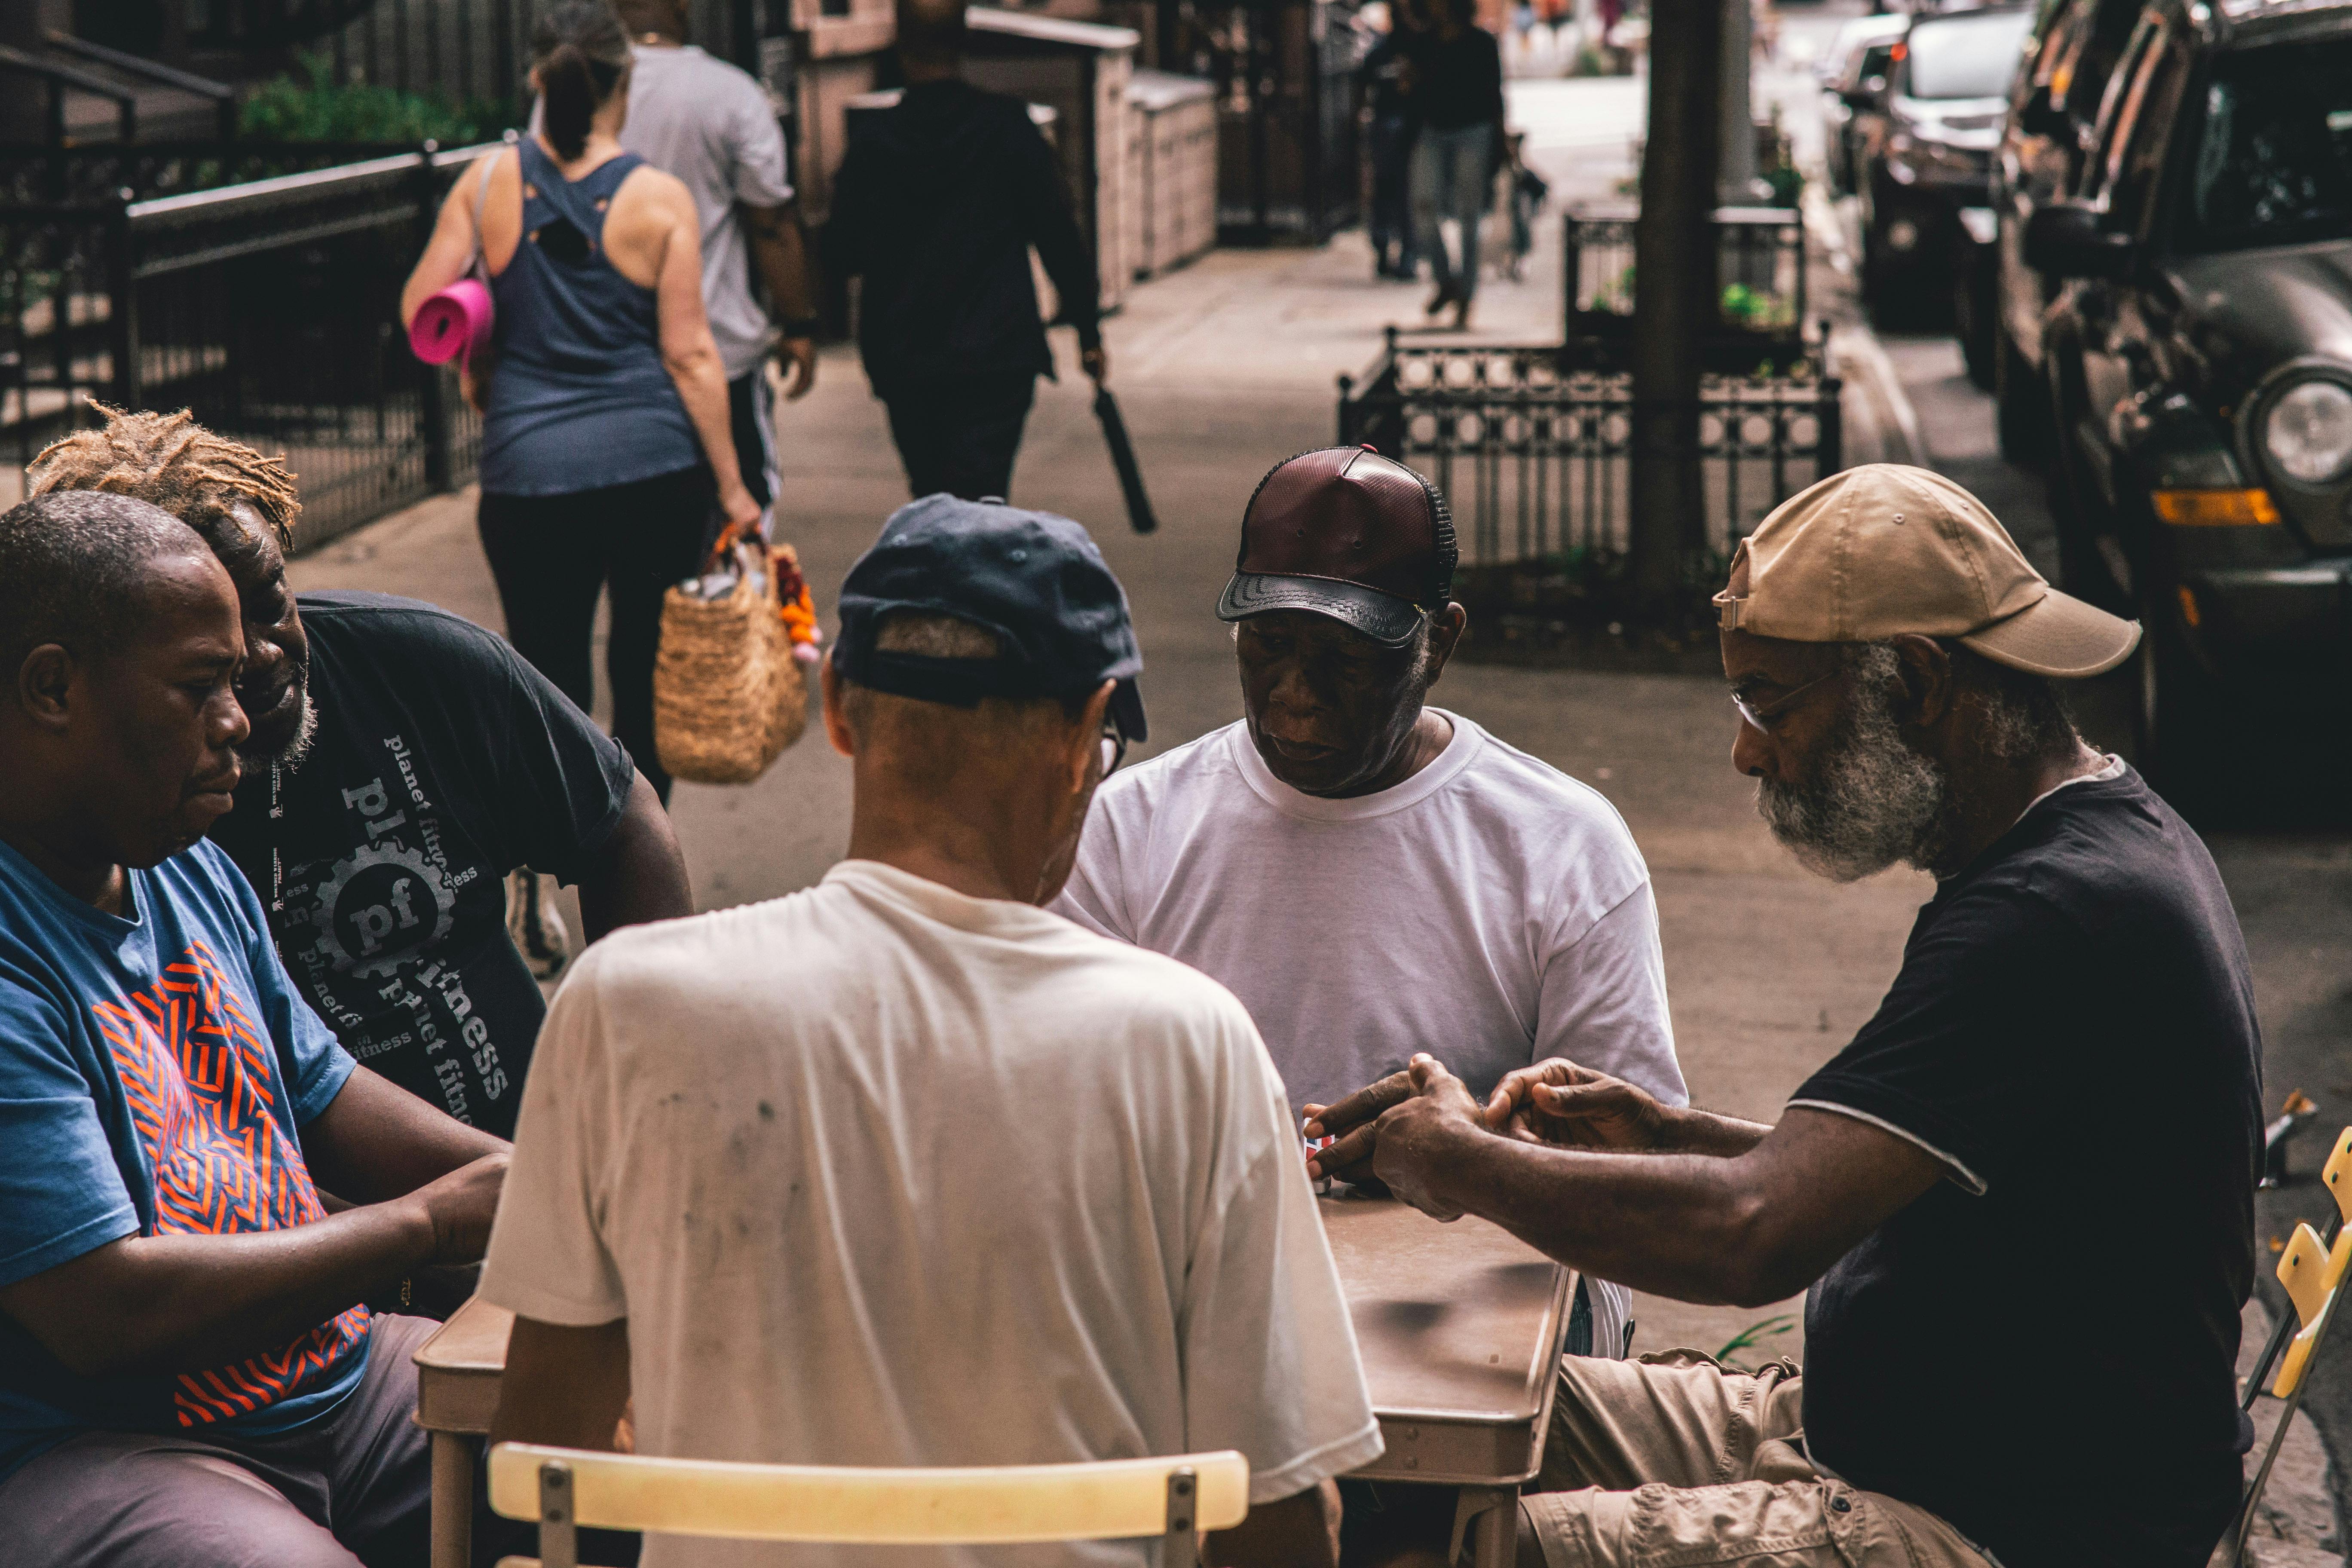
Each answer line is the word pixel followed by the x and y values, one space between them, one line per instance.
pixel 188 1375
pixel 1458 97
pixel 903 1170
pixel 1383 78
pixel 936 208
pixel 710 124
pixel 1894 661
pixel 605 428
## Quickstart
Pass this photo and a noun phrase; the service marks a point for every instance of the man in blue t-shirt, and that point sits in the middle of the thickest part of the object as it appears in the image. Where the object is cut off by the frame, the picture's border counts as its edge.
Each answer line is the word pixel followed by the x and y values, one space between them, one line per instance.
pixel 187 1375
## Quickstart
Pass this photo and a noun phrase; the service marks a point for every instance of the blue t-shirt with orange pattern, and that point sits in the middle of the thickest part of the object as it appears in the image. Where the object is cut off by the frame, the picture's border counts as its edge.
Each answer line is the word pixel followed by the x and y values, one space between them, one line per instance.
pixel 154 1074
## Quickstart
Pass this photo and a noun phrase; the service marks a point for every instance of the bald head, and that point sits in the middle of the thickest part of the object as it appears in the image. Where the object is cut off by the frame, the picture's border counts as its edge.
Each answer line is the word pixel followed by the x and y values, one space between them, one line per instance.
pixel 930 35
pixel 75 568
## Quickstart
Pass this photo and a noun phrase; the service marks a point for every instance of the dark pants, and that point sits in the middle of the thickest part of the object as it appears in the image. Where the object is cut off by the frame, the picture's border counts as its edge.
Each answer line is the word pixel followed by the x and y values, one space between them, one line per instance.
pixel 1391 227
pixel 349 1488
pixel 960 437
pixel 751 418
pixel 552 556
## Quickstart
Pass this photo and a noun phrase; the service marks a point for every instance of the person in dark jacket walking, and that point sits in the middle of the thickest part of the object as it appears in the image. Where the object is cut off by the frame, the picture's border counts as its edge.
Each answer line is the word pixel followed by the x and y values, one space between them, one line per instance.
pixel 1457 96
pixel 1383 75
pixel 936 206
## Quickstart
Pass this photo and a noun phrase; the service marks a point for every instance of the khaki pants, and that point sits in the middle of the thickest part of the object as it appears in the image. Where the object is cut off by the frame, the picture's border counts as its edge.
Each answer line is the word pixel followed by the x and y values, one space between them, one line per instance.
pixel 1675 1459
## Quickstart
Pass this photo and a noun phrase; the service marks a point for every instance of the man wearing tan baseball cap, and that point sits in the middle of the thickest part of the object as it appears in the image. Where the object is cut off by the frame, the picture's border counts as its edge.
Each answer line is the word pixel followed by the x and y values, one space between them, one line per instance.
pixel 2061 1090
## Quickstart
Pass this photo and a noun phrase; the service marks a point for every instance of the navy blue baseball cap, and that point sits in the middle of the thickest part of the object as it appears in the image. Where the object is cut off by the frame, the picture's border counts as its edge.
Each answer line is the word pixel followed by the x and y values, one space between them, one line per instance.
pixel 1033 579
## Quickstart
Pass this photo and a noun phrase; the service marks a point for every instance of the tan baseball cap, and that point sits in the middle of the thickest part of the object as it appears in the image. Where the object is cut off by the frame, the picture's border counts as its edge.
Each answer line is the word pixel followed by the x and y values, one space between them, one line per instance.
pixel 1884 548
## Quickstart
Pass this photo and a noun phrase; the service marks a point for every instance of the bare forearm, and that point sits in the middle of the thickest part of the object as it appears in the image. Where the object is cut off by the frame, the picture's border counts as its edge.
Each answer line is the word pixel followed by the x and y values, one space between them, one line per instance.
pixel 1690 1131
pixel 701 384
pixel 639 876
pixel 781 251
pixel 1682 1226
pixel 155 1304
pixel 563 1387
pixel 376 1141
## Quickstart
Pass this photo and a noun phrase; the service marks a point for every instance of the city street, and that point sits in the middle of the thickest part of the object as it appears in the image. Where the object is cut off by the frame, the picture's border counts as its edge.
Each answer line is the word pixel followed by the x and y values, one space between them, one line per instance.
pixel 1227 366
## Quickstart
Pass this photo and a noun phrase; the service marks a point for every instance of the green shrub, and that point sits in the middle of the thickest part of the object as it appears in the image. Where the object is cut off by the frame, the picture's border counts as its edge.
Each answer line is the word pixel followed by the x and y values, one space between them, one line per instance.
pixel 323 109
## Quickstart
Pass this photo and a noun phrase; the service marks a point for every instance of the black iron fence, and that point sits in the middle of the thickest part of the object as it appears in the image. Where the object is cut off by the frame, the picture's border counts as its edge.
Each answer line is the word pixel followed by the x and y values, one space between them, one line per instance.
pixel 1534 457
pixel 270 308
pixel 1759 290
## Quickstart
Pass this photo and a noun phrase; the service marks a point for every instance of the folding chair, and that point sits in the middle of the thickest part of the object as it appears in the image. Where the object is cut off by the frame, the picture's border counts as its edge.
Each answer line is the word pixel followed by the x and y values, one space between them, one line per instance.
pixel 2313 1271
pixel 1172 1499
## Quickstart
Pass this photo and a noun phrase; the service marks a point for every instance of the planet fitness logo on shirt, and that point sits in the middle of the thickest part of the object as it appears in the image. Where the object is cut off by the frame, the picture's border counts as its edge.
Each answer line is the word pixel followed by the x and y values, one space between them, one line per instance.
pixel 198 1082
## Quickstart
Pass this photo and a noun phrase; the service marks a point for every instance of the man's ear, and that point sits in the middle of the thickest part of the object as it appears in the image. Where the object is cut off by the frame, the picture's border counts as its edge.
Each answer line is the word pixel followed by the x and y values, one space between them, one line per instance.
pixel 45 686
pixel 1926 674
pixel 1091 723
pixel 1446 630
pixel 837 722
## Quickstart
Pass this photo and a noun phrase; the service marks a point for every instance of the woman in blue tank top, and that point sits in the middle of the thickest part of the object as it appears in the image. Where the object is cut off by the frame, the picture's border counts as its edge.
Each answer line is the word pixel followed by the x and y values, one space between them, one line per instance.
pixel 606 440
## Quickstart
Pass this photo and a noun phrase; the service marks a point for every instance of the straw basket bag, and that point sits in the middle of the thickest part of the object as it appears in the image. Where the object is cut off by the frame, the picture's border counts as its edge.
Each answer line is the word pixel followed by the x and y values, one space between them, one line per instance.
pixel 729 688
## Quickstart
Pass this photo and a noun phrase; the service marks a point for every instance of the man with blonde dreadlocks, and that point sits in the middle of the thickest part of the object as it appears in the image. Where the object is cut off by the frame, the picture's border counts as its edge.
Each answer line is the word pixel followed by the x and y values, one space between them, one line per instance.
pixel 402 762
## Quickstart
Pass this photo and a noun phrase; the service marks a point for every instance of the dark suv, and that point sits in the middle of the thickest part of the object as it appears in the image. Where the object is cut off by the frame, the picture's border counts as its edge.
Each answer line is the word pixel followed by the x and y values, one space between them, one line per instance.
pixel 1923 149
pixel 2198 357
pixel 2054 110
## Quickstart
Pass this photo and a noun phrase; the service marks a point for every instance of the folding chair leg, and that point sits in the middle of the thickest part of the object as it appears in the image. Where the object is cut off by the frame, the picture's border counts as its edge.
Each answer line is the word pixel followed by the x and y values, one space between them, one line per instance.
pixel 1181 1546
pixel 559 1534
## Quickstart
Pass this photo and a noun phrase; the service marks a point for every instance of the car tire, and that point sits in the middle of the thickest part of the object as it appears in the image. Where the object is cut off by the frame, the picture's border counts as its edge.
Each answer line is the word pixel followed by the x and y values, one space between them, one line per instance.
pixel 1972 322
pixel 2080 512
pixel 2021 407
pixel 2181 722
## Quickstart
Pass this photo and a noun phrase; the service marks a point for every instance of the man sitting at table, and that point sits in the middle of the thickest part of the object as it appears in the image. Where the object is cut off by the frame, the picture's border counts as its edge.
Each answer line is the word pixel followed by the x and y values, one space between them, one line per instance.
pixel 1373 877
pixel 903 1170
pixel 2022 1196
pixel 187 1377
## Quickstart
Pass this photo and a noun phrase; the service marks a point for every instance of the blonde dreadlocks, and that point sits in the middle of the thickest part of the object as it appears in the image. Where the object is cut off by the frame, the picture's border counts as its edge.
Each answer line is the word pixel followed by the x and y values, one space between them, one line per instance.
pixel 169 460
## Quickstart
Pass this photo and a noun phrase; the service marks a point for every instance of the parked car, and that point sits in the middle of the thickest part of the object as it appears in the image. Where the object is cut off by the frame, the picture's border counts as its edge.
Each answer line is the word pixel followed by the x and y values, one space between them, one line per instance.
pixel 1924 153
pixel 2054 110
pixel 1854 71
pixel 2199 360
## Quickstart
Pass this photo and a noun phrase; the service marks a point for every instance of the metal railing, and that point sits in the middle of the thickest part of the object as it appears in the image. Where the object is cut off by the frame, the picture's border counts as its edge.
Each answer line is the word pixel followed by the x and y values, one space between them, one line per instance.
pixel 270 308
pixel 1534 457
pixel 1760 289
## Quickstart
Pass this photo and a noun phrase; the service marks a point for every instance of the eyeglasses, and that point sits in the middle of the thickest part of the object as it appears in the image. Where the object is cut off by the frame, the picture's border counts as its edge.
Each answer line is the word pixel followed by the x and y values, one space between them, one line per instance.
pixel 1764 716
pixel 1114 747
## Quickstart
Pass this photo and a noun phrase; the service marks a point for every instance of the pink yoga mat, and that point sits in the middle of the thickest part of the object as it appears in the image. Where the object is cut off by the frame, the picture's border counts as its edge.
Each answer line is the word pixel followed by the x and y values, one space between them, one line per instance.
pixel 456 320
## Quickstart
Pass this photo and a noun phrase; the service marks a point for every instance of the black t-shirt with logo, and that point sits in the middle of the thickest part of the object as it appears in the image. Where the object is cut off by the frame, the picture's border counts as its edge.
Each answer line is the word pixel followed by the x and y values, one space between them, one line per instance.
pixel 2042 1350
pixel 442 762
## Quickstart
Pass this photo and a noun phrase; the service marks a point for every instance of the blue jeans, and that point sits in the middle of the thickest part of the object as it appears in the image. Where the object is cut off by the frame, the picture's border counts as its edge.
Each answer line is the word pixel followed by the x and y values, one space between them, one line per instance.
pixel 1451 175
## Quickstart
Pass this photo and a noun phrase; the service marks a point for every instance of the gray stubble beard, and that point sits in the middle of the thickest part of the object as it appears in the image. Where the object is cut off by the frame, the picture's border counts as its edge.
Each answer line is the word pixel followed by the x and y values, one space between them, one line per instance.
pixel 1871 800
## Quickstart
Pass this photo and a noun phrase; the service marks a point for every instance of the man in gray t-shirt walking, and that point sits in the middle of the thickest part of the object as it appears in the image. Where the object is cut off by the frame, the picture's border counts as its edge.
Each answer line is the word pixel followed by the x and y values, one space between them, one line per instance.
pixel 712 125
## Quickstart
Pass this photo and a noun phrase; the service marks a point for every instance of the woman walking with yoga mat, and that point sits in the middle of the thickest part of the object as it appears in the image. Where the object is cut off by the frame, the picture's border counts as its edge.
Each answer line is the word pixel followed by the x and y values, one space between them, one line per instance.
pixel 605 438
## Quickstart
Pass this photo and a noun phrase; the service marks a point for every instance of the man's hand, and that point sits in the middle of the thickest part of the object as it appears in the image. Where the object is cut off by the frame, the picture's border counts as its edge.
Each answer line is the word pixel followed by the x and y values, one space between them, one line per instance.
pixel 800 355
pixel 1096 362
pixel 1558 1103
pixel 1351 1122
pixel 1417 1138
pixel 460 1206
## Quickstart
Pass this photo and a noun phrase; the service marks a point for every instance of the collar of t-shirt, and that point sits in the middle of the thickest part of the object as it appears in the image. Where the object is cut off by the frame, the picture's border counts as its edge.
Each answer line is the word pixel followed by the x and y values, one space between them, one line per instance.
pixel 1459 754
pixel 2114 769
pixel 932 900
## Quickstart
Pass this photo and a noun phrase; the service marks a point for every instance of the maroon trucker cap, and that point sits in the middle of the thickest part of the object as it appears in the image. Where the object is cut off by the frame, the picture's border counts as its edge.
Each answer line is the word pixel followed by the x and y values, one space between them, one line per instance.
pixel 1345 532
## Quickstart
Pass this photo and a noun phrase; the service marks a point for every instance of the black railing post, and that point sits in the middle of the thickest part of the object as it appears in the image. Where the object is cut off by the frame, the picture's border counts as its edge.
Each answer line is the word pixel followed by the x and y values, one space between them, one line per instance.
pixel 1347 410
pixel 122 307
pixel 432 393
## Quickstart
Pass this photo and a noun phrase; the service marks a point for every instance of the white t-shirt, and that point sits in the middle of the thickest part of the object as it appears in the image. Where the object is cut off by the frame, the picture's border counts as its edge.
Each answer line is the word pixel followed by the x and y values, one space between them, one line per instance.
pixel 710 124
pixel 883 1175
pixel 1490 911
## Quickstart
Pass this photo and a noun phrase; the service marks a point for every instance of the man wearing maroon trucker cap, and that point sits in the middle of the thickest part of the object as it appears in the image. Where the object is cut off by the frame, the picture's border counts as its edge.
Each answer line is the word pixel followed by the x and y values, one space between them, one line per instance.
pixel 1373 877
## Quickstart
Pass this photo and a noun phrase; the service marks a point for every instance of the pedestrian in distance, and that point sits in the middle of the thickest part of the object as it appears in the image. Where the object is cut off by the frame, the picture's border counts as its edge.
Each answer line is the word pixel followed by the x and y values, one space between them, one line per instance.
pixel 401 763
pixel 710 124
pixel 1457 97
pixel 903 1170
pixel 188 1375
pixel 1894 665
pixel 1385 75
pixel 937 205
pixel 606 434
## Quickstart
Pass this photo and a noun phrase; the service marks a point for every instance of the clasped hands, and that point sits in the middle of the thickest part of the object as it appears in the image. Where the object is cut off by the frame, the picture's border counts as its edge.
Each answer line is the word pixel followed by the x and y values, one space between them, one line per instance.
pixel 1412 1129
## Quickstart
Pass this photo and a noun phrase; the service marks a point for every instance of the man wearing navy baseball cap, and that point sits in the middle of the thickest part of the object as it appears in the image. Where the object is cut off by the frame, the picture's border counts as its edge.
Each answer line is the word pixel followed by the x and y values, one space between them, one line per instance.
pixel 965 1183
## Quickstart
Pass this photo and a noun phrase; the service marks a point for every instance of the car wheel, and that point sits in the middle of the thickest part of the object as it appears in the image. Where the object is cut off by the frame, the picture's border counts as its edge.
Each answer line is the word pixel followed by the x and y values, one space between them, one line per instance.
pixel 2080 512
pixel 2021 410
pixel 2180 722
pixel 1972 319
